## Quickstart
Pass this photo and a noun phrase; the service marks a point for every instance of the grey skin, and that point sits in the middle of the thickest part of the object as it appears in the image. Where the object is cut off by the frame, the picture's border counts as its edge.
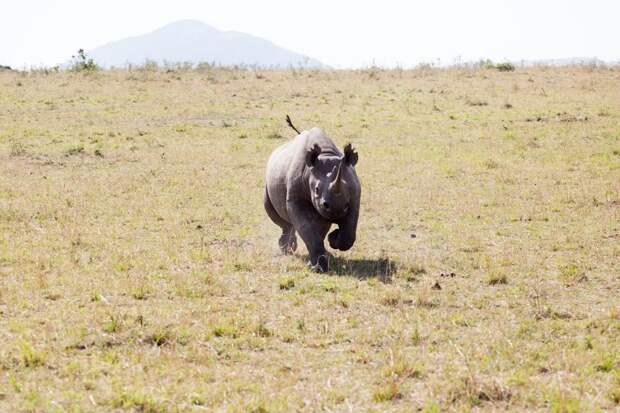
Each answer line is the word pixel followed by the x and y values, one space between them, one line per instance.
pixel 311 185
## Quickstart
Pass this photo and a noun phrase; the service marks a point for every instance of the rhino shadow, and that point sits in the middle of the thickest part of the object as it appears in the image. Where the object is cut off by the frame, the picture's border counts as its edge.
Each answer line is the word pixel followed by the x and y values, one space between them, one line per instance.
pixel 362 268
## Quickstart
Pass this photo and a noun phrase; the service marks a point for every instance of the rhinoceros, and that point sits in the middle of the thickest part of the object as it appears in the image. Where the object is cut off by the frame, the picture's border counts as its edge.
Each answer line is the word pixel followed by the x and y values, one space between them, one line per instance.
pixel 311 185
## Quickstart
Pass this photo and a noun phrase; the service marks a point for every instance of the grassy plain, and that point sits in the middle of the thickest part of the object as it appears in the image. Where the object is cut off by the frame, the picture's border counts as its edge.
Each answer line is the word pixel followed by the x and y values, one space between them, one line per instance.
pixel 139 272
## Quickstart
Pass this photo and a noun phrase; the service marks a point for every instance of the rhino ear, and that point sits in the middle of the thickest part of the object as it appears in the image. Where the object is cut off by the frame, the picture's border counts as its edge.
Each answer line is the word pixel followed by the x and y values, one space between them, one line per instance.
pixel 350 156
pixel 312 155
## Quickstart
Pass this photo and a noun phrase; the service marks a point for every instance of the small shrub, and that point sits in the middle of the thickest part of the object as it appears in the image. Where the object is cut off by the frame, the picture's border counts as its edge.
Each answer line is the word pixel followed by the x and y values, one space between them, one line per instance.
pixel 502 67
pixel 486 64
pixel 141 292
pixel 75 150
pixel 387 393
pixel 301 325
pixel 476 391
pixel 571 274
pixel 476 102
pixel 496 278
pixel 160 337
pixel 82 63
pixel 241 266
pixel 138 401
pixel 606 364
pixel 431 407
pixel 329 287
pixel 402 369
pixel 205 66
pixel 490 164
pixel 95 296
pixel 424 300
pixel 416 337
pixel 149 66
pixel 113 325
pixel 262 330
pixel 413 272
pixel 17 149
pixel 392 299
pixel 197 400
pixel 258 409
pixel 225 330
pixel 287 284
pixel 561 403
pixel 505 67
pixel 30 356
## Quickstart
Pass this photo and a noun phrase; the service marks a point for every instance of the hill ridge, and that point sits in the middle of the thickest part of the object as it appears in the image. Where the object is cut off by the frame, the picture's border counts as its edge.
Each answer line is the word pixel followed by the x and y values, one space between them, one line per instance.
pixel 196 42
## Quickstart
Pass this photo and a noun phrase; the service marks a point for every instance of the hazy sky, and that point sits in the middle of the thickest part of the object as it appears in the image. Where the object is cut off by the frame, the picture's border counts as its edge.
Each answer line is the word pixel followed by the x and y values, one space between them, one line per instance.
pixel 339 33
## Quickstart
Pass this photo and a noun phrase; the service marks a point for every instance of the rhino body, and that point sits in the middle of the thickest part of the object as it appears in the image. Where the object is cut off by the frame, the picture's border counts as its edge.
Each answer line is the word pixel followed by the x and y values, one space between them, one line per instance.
pixel 311 185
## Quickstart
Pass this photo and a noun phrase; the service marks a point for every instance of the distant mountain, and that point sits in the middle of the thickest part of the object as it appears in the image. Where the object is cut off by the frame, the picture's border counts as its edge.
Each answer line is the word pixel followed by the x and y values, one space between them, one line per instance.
pixel 196 42
pixel 567 62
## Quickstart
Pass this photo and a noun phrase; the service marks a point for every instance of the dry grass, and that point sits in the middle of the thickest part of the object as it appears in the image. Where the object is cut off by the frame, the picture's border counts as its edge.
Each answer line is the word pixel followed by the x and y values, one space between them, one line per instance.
pixel 138 270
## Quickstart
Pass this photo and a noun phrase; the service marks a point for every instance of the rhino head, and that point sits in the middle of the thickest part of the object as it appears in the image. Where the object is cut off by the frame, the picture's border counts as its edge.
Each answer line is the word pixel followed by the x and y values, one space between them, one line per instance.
pixel 331 182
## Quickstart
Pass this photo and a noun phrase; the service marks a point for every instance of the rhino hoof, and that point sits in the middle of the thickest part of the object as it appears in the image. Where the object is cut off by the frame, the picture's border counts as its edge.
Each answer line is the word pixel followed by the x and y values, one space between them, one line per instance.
pixel 288 244
pixel 293 244
pixel 321 265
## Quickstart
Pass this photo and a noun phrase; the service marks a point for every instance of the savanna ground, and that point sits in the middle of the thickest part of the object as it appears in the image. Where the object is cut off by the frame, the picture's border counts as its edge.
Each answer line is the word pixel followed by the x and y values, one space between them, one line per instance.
pixel 139 271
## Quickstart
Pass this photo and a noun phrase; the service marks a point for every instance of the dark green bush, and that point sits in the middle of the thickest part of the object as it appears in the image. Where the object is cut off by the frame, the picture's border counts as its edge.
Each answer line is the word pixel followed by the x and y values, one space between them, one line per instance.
pixel 81 63
pixel 505 67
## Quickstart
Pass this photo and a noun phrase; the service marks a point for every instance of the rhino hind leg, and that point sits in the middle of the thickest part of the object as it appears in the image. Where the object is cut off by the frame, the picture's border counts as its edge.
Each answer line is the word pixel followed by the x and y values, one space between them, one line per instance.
pixel 287 241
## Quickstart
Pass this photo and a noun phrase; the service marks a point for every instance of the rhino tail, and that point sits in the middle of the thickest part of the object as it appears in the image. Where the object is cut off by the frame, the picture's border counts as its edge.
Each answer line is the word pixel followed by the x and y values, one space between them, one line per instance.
pixel 290 123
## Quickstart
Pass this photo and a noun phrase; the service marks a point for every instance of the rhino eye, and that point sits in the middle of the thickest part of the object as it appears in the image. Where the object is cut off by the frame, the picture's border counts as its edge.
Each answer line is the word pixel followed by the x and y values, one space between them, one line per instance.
pixel 316 189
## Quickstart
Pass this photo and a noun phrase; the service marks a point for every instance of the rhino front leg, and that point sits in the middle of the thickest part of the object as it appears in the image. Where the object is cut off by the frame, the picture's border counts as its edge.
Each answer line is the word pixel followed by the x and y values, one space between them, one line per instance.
pixel 312 230
pixel 343 237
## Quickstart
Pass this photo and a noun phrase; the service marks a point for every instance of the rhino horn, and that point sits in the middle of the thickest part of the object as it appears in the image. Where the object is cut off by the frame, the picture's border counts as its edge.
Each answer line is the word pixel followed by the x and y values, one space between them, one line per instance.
pixel 336 184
